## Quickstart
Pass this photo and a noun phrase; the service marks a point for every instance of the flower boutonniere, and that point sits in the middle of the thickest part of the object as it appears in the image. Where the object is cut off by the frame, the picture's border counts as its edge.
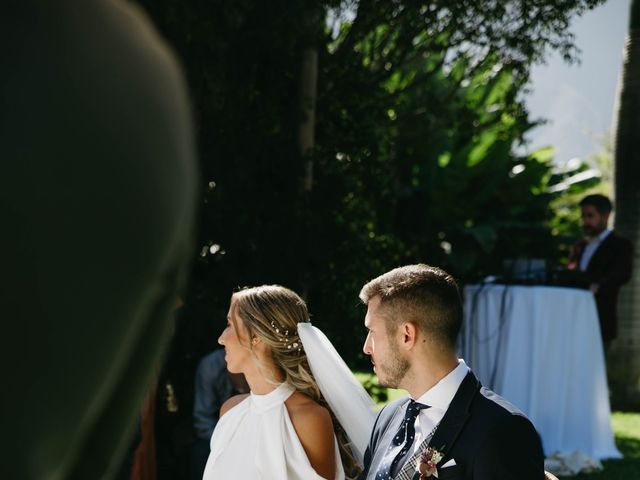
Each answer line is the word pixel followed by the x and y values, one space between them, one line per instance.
pixel 427 462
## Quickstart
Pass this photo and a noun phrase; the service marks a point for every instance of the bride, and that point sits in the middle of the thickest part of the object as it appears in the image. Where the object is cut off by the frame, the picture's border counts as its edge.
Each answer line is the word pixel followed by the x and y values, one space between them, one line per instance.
pixel 306 416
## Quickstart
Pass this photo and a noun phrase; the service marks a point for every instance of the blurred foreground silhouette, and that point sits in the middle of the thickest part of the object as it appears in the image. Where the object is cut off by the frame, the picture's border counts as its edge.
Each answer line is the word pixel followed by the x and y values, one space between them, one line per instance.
pixel 97 197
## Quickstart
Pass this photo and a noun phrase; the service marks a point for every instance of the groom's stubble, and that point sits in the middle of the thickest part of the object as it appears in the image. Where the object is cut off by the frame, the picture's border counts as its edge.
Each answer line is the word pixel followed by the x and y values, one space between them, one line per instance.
pixel 394 369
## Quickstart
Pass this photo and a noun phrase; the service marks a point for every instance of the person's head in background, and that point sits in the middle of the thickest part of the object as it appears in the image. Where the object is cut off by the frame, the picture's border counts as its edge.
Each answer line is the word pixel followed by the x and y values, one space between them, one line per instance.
pixel 595 214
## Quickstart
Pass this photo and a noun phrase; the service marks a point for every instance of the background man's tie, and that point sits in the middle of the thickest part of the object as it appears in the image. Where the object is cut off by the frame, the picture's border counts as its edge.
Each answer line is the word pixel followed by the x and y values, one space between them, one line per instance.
pixel 401 443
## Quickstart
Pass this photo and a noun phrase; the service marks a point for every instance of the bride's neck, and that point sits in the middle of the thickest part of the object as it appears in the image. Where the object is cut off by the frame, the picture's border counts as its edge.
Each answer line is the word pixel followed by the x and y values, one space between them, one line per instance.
pixel 264 379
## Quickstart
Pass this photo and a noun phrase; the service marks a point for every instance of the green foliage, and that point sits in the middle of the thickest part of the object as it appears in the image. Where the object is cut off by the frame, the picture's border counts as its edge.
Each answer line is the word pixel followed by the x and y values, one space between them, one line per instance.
pixel 380 395
pixel 421 167
pixel 418 112
pixel 626 428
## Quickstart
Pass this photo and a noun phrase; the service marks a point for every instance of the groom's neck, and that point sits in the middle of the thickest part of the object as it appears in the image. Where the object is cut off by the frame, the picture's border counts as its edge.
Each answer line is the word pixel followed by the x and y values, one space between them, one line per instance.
pixel 427 370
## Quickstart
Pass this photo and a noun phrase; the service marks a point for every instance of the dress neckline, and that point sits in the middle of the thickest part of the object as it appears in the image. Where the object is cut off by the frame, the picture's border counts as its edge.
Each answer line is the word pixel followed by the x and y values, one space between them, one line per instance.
pixel 262 403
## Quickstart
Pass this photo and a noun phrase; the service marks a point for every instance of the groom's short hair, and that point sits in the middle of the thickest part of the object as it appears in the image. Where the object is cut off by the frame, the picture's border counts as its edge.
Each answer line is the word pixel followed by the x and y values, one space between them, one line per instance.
pixel 421 294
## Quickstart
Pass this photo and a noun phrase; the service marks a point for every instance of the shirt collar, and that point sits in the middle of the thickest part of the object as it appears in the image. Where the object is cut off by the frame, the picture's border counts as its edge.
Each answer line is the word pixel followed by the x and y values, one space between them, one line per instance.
pixel 604 234
pixel 441 394
pixel 600 238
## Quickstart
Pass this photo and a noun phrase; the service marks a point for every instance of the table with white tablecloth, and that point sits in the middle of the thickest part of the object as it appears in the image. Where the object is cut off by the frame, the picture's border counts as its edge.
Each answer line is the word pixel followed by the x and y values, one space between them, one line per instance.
pixel 540 348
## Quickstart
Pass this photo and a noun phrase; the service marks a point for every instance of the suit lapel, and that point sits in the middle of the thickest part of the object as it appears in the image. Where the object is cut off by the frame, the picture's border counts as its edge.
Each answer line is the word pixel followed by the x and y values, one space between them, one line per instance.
pixel 456 415
pixel 385 439
pixel 598 257
pixel 450 426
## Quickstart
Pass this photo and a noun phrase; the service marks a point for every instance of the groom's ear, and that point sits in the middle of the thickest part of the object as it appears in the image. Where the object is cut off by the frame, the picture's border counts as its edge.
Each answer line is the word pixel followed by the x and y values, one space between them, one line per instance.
pixel 409 333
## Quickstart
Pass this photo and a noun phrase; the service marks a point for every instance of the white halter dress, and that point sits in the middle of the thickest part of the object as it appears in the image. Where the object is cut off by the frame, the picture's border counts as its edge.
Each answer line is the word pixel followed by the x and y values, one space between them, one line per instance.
pixel 256 440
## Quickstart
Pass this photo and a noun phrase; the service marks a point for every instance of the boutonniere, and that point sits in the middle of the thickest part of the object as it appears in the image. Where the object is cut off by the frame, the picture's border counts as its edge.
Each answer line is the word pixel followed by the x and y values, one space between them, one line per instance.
pixel 427 462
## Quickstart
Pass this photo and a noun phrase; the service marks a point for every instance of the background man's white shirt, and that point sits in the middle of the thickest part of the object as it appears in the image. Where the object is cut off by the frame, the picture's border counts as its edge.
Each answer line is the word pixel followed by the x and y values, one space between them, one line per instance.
pixel 591 248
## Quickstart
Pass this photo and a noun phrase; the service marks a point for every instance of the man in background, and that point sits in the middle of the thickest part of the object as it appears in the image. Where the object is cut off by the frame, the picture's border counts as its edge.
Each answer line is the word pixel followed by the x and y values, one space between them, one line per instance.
pixel 606 260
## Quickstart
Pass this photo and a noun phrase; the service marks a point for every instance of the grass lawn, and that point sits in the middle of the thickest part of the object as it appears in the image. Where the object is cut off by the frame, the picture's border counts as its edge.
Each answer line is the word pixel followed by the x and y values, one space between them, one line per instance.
pixel 626 428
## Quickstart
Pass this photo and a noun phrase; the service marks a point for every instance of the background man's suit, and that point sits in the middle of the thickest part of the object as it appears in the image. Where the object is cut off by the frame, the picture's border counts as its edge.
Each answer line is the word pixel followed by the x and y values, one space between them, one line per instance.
pixel 610 267
pixel 488 438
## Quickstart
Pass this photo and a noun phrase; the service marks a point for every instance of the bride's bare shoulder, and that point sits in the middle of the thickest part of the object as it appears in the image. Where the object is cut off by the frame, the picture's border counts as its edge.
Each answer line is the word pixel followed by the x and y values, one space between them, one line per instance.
pixel 232 402
pixel 314 427
pixel 302 407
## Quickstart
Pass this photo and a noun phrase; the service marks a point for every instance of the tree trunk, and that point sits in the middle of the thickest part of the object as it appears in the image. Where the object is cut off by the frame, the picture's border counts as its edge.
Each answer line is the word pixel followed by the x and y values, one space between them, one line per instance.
pixel 306 138
pixel 624 357
pixel 308 87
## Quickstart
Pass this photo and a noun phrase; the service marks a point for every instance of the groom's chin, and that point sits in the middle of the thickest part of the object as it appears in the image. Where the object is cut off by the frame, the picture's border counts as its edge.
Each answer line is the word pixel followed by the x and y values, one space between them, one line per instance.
pixel 383 383
pixel 389 382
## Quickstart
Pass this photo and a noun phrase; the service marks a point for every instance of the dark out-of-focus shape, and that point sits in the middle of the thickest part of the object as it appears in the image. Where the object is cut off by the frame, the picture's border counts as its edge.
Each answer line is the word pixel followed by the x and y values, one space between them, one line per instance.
pixel 97 199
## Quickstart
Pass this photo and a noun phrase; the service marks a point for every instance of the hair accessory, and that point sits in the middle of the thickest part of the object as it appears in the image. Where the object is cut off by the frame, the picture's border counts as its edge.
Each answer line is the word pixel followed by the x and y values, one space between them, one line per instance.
pixel 292 341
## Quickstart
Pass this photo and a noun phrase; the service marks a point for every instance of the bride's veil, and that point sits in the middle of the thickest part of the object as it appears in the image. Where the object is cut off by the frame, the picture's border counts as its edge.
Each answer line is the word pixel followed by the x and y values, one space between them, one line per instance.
pixel 348 400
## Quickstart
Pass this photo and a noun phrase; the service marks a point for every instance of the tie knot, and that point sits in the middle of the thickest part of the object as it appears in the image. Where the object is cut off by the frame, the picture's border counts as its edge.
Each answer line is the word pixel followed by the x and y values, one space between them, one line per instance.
pixel 413 409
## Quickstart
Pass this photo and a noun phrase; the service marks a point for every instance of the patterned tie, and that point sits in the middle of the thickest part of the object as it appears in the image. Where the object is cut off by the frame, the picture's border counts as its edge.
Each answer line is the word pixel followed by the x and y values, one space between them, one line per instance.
pixel 401 443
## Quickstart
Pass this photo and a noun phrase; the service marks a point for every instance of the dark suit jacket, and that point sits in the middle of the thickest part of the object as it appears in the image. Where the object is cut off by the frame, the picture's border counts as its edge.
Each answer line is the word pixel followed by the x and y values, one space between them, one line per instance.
pixel 610 267
pixel 488 438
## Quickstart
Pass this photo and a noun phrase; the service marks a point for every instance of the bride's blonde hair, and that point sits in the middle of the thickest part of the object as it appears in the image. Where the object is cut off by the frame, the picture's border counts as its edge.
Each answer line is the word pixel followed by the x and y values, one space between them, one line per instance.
pixel 272 313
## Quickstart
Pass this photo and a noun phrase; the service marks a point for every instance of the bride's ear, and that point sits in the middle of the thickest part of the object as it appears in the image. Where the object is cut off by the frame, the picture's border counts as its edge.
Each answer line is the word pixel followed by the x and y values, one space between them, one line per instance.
pixel 259 347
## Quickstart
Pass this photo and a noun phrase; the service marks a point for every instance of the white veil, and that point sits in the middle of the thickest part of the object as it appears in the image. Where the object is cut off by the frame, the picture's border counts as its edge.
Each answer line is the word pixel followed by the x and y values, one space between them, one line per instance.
pixel 348 400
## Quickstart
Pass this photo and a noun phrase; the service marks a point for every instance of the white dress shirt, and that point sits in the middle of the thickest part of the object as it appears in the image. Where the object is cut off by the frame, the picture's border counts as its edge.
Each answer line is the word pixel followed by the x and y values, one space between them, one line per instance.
pixel 591 248
pixel 438 398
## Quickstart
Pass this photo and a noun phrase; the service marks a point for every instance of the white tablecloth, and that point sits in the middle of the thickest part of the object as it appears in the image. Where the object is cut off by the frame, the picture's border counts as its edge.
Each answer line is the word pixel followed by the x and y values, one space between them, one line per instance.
pixel 540 348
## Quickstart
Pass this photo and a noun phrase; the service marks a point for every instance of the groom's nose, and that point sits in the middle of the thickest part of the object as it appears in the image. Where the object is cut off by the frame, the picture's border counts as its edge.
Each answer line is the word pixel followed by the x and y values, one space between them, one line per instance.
pixel 366 348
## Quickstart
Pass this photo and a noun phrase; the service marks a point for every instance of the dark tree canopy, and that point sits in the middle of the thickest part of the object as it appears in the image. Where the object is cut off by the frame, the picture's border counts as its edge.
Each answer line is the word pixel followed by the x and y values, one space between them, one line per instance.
pixel 419 106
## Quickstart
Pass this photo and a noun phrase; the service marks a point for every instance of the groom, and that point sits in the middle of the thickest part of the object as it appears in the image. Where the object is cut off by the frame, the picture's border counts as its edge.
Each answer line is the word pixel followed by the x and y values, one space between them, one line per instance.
pixel 461 429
